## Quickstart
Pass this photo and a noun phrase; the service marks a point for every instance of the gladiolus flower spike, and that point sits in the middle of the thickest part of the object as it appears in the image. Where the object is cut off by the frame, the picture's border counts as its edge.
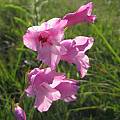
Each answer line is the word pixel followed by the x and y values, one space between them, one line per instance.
pixel 47 85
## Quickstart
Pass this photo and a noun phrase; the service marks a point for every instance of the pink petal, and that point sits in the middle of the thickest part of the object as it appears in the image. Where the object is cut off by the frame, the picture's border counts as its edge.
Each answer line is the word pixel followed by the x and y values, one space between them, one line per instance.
pixel 30 91
pixel 58 49
pixel 71 50
pixel 61 24
pixel 36 29
pixel 57 80
pixel 83 43
pixel 30 40
pixel 32 72
pixel 50 55
pixel 55 27
pixel 44 105
pixel 56 35
pixel 49 74
pixel 71 98
pixel 83 14
pixel 82 62
pixel 67 89
pixel 54 60
pixel 44 97
pixel 44 75
pixel 91 18
pixel 68 44
pixel 51 23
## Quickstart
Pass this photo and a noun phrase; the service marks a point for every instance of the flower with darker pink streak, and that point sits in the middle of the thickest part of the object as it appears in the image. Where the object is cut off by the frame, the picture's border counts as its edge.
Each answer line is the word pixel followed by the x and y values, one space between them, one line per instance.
pixel 45 39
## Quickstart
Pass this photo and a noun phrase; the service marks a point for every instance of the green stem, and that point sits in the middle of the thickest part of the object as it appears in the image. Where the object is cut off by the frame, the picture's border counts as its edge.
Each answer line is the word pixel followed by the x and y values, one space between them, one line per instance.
pixel 105 93
pixel 106 43
pixel 80 109
pixel 18 61
pixel 35 12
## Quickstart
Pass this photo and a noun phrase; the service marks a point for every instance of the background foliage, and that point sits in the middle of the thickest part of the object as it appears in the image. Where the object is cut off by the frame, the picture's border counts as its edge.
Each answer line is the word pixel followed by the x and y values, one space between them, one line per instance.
pixel 99 94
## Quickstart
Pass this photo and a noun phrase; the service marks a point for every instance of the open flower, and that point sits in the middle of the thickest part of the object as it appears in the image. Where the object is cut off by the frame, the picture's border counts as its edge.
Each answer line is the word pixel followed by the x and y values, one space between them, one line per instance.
pixel 19 113
pixel 76 49
pixel 45 39
pixel 48 86
pixel 83 14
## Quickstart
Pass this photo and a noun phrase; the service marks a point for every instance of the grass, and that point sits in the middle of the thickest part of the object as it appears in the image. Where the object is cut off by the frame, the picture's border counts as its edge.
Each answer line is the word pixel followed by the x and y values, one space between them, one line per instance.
pixel 99 94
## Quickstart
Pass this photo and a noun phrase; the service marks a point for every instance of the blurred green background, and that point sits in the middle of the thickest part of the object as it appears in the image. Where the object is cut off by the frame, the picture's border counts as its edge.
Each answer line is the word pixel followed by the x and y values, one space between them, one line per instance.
pixel 99 94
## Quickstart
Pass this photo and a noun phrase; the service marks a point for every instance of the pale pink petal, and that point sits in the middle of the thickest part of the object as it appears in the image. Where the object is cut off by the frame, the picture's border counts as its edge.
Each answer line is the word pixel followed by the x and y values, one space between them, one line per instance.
pixel 61 24
pixel 56 23
pixel 45 25
pixel 57 80
pixel 44 75
pixel 55 27
pixel 71 51
pixel 50 55
pixel 56 35
pixel 67 89
pixel 82 63
pixel 56 53
pixel 32 72
pixel 83 14
pixel 68 44
pixel 36 29
pixel 58 49
pixel 45 105
pixel 83 43
pixel 49 75
pixel 30 40
pixel 30 91
pixel 51 23
pixel 70 99
pixel 44 97
pixel 54 60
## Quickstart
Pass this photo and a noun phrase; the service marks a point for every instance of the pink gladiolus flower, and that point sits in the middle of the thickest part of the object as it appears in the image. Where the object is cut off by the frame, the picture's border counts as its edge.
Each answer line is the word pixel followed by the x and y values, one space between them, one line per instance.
pixel 45 39
pixel 76 49
pixel 83 14
pixel 19 113
pixel 48 86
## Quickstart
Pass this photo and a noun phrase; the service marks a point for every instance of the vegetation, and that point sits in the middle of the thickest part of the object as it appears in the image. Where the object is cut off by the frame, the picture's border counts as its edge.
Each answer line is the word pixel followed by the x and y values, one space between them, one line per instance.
pixel 99 94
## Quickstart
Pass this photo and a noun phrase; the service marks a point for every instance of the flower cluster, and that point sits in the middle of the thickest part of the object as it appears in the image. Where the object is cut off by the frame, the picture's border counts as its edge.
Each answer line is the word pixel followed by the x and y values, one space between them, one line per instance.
pixel 47 85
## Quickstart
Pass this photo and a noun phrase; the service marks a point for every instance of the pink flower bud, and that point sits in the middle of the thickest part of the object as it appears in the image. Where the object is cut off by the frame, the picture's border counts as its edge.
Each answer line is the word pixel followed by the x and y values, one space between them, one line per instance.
pixel 19 113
